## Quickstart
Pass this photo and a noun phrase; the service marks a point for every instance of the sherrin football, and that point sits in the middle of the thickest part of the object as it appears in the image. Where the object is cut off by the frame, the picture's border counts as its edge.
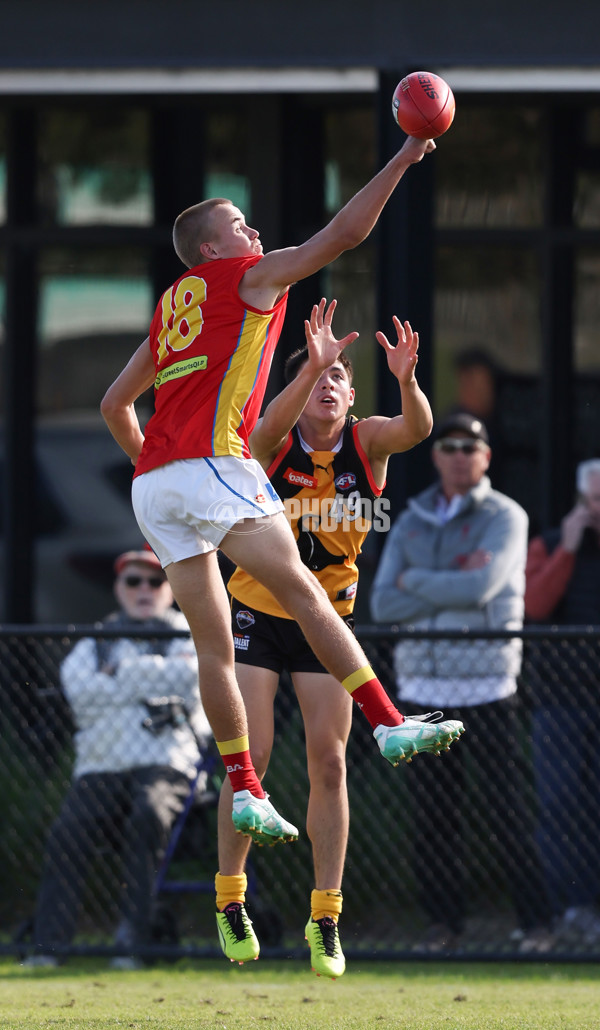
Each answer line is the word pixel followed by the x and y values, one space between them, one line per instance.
pixel 423 105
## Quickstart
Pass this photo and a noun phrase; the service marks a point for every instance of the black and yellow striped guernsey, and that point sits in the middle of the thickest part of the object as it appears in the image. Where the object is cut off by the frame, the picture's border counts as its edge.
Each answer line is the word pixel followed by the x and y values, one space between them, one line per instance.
pixel 329 498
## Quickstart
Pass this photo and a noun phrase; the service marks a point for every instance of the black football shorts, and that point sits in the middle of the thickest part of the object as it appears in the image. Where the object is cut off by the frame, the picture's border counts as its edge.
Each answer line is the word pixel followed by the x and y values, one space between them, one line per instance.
pixel 268 642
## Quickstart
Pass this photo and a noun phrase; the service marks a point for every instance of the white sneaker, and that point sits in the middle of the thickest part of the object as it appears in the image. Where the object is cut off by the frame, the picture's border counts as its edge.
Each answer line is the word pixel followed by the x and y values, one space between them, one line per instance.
pixel 417 733
pixel 256 818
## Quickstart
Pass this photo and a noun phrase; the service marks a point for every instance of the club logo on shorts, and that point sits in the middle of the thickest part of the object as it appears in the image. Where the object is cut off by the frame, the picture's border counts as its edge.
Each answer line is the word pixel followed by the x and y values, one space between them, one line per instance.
pixel 245 619
pixel 346 481
pixel 260 498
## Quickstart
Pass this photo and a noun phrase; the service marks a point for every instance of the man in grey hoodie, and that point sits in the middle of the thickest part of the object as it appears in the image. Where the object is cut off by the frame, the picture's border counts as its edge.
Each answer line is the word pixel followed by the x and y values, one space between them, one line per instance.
pixel 454 560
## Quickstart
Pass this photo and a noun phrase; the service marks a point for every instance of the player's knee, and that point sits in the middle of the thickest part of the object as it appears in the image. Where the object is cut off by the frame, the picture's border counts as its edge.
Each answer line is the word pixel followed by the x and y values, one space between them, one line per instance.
pixel 327 770
pixel 300 588
pixel 215 667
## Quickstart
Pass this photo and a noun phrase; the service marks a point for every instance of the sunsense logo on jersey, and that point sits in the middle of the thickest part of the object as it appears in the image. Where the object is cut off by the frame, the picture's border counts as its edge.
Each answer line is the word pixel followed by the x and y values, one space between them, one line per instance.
pixel 300 478
pixel 346 481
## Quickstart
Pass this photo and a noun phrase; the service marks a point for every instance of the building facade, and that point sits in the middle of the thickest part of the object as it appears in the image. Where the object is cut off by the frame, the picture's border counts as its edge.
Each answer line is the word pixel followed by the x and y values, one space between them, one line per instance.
pixel 114 118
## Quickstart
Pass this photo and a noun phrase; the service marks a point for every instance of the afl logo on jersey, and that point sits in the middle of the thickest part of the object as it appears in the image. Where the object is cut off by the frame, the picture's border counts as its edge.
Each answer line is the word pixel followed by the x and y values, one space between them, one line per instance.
pixel 245 619
pixel 346 481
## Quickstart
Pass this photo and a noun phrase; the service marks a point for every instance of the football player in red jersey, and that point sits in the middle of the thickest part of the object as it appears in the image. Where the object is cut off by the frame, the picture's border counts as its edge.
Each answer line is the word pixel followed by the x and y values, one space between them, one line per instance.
pixel 196 488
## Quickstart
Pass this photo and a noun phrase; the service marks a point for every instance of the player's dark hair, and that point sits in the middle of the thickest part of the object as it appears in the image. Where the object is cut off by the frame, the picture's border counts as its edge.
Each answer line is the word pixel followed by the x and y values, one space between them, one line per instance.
pixel 474 356
pixel 194 227
pixel 298 357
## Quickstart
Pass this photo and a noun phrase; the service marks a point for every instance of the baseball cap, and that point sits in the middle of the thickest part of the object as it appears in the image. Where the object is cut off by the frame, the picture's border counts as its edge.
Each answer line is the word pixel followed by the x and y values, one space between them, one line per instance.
pixel 462 422
pixel 146 556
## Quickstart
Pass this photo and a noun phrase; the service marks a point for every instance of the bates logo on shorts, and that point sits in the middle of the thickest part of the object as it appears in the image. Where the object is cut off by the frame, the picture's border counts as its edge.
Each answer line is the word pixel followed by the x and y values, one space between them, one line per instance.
pixel 346 481
pixel 300 478
pixel 245 619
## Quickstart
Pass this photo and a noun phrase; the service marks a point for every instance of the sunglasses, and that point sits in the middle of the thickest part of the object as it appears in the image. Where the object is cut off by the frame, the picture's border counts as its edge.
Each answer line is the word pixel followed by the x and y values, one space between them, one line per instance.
pixel 451 445
pixel 153 581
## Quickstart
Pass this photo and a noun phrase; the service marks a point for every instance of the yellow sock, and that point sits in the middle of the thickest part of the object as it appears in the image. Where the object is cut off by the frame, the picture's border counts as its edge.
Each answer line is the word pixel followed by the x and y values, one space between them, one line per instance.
pixel 230 888
pixel 326 903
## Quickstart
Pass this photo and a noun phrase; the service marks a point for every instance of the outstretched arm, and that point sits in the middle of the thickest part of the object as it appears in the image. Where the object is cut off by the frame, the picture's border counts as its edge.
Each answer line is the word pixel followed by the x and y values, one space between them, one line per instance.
pixel 382 436
pixel 285 409
pixel 349 227
pixel 118 403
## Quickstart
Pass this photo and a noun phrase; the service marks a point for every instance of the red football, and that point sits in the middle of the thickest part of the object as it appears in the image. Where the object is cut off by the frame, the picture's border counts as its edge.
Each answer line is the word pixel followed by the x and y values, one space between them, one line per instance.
pixel 423 105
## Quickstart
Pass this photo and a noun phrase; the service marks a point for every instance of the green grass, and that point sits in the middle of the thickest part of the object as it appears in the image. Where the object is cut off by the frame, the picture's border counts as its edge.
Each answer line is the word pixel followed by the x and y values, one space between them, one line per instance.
pixel 84 995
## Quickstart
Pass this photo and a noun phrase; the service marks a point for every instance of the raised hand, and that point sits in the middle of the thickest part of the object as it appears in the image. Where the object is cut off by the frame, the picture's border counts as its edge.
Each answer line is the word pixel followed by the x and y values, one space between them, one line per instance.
pixel 401 357
pixel 323 348
pixel 573 527
pixel 415 149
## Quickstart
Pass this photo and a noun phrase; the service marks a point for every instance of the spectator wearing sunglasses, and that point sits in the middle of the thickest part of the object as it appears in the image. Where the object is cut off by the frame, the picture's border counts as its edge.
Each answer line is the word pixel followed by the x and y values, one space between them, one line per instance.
pixel 139 732
pixel 453 560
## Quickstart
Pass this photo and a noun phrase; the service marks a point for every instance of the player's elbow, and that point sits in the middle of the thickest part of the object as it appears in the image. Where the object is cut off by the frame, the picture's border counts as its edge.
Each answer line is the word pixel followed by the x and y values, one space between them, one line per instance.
pixel 110 406
pixel 106 407
pixel 423 430
pixel 420 430
pixel 346 234
pixel 350 237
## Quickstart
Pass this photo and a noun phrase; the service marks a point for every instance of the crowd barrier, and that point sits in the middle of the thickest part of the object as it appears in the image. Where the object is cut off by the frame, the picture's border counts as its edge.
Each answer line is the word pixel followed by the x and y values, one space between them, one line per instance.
pixel 388 861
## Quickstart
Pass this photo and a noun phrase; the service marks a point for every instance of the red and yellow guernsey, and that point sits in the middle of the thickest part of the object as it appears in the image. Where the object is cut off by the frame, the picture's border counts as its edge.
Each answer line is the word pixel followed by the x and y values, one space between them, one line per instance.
pixel 212 354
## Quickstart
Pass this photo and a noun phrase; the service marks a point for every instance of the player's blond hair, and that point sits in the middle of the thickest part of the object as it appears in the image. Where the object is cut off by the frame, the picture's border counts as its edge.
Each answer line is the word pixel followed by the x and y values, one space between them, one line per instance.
pixel 193 227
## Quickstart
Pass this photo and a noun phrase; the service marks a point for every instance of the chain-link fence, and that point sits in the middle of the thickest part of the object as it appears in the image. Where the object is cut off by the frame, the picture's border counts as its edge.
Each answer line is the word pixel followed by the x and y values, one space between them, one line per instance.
pixel 489 851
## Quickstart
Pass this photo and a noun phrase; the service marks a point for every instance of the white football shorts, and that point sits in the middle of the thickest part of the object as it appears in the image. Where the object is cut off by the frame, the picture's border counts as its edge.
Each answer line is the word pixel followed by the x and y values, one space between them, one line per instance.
pixel 186 507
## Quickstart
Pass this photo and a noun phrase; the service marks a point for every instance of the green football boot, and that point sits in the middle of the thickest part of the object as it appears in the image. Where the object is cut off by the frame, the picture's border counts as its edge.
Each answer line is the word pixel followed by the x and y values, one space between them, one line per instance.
pixel 326 955
pixel 236 936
